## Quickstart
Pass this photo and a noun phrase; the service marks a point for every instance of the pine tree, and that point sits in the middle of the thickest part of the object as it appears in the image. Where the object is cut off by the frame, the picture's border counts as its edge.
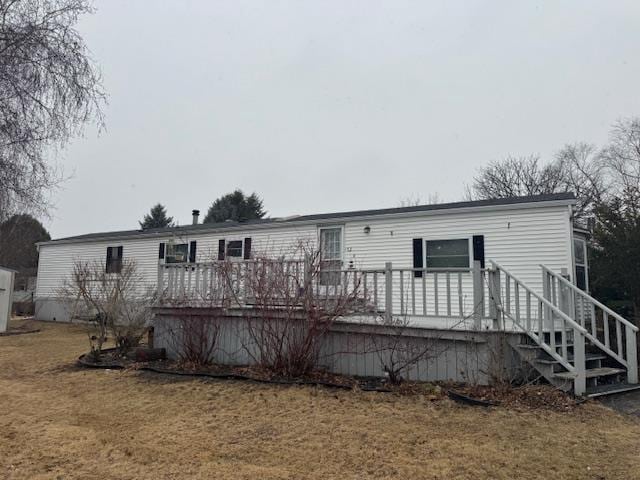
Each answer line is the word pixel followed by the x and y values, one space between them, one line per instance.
pixel 156 218
pixel 235 206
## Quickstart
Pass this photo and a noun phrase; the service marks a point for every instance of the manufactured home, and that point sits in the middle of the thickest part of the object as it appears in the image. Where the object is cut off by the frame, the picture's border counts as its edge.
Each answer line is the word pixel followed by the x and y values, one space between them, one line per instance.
pixel 458 272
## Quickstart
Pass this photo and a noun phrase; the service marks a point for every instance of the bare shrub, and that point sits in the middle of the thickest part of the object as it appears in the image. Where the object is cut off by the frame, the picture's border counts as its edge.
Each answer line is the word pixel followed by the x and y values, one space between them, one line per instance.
pixel 194 338
pixel 114 302
pixel 398 350
pixel 294 305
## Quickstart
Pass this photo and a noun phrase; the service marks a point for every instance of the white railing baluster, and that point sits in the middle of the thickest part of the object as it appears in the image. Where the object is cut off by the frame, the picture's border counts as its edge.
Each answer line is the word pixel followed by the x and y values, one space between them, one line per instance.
pixel 448 278
pixel 424 292
pixel 460 306
pixel 413 292
pixel 605 326
pixel 401 292
pixel 507 292
pixel 435 293
pixel 375 291
pixel 516 293
pixel 528 307
pixel 540 322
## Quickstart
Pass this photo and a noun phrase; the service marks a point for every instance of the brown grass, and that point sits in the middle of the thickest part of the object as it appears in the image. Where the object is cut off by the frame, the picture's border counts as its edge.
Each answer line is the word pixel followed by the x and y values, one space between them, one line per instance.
pixel 59 421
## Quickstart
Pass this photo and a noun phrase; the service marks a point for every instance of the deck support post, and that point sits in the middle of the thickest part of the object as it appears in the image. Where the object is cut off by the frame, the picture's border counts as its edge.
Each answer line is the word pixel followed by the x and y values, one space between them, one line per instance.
pixel 494 298
pixel 478 295
pixel 632 355
pixel 388 292
pixel 579 362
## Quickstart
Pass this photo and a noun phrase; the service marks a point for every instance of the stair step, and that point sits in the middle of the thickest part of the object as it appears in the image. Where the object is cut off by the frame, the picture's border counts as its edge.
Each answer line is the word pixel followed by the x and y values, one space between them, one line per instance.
pixel 534 346
pixel 611 389
pixel 588 357
pixel 592 373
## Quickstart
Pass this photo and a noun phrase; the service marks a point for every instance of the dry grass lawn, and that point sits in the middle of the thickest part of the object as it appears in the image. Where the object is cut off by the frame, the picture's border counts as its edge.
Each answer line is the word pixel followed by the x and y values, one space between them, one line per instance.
pixel 58 421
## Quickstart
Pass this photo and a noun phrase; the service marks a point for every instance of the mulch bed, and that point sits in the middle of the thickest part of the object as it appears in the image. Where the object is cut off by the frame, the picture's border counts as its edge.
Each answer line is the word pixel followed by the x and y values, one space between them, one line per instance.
pixel 526 397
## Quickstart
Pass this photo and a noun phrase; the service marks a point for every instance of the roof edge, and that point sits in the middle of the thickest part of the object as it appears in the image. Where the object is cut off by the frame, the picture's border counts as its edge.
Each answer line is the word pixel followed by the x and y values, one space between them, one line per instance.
pixel 400 212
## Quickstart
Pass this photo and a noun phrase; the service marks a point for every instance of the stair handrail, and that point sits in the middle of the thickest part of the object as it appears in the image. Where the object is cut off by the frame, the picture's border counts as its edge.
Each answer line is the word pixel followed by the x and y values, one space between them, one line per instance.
pixel 575 325
pixel 588 297
pixel 580 333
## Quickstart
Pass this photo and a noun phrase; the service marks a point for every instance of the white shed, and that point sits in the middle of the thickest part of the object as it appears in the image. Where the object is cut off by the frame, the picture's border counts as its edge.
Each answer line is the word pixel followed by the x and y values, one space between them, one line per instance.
pixel 7 278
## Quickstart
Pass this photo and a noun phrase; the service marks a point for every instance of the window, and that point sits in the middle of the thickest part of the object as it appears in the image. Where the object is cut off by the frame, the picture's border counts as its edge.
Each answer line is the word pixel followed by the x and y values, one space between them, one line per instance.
pixel 448 253
pixel 330 255
pixel 114 259
pixel 176 253
pixel 580 255
pixel 234 249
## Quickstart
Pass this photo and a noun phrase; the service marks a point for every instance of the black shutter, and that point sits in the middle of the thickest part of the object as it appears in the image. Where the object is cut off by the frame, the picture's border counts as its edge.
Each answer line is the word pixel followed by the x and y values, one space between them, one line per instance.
pixel 478 249
pixel 161 251
pixel 192 252
pixel 118 266
pixel 418 257
pixel 109 255
pixel 247 248
pixel 221 249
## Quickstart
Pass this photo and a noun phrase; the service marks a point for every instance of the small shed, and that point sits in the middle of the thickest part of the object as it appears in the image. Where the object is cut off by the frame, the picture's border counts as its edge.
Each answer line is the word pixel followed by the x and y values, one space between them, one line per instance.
pixel 7 278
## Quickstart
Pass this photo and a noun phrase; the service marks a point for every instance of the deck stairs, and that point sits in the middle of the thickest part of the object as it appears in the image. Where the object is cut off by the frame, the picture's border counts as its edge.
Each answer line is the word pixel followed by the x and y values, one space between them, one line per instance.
pixel 575 342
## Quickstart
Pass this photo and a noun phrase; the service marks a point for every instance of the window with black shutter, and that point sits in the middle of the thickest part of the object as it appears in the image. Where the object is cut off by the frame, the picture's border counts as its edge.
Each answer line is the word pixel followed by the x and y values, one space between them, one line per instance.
pixel 234 249
pixel 114 259
pixel 176 252
pixel 448 253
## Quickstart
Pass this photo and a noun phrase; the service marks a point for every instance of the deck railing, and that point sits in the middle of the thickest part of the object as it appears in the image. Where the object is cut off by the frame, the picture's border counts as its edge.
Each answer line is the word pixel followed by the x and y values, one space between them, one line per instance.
pixel 450 293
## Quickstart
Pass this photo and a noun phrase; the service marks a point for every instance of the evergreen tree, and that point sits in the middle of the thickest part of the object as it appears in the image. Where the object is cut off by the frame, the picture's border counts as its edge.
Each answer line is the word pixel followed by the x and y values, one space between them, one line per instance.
pixel 156 218
pixel 235 206
pixel 18 237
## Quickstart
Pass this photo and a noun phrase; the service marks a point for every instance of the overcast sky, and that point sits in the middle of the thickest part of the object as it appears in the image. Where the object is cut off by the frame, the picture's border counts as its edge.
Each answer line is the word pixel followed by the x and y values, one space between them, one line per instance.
pixel 329 106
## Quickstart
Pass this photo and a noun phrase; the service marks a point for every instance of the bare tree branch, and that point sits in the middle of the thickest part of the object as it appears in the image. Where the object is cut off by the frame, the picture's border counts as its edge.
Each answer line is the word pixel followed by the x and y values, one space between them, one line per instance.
pixel 49 90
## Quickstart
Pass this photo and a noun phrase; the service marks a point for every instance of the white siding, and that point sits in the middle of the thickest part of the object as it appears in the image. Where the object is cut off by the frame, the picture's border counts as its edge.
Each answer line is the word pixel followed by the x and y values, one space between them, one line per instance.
pixel 518 238
pixel 56 260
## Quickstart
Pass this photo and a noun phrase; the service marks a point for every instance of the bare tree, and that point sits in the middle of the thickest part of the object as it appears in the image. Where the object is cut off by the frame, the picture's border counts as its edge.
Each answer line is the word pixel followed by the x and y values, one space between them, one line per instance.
pixel 577 168
pixel 114 302
pixel 416 200
pixel 621 156
pixel 49 90
pixel 515 177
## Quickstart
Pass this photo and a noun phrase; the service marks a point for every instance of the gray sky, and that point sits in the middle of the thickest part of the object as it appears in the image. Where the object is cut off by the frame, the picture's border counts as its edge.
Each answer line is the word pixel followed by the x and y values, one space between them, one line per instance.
pixel 326 106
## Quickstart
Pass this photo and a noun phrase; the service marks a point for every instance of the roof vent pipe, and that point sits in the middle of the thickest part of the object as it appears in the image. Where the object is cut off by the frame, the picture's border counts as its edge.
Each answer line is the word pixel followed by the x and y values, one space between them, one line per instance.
pixel 196 214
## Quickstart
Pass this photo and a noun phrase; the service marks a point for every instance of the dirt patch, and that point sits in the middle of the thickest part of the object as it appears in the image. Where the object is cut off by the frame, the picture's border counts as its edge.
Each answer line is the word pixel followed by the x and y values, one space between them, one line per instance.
pixel 20 326
pixel 74 423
